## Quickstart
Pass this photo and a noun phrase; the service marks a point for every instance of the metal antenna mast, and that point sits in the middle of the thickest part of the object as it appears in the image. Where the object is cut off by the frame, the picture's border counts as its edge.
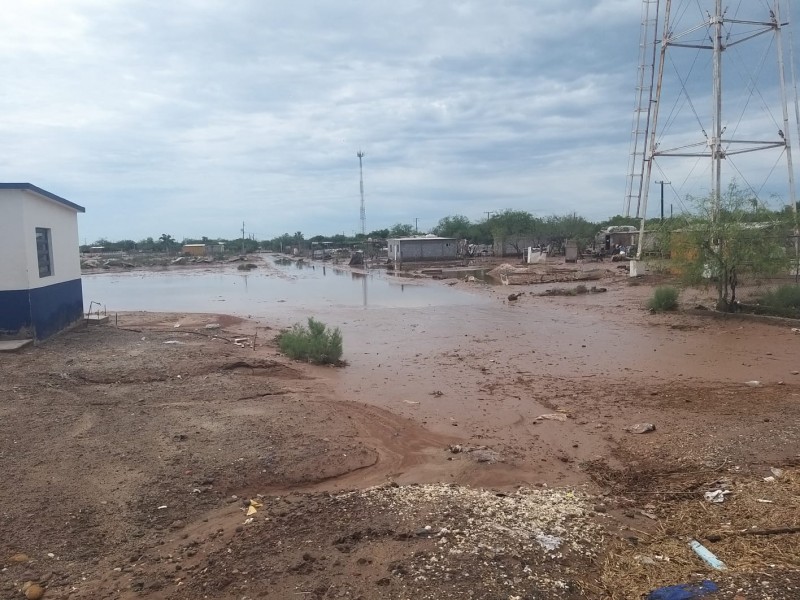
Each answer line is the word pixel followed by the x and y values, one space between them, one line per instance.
pixel 360 155
pixel 715 146
pixel 648 50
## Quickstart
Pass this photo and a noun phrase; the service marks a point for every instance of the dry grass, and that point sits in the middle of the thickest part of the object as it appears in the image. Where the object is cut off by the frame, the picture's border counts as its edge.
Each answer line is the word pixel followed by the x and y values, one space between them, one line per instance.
pixel 663 557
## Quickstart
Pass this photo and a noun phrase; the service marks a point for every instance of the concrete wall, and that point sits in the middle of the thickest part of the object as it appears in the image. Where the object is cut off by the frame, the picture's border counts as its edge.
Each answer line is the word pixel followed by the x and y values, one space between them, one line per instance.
pixel 30 304
pixel 14 264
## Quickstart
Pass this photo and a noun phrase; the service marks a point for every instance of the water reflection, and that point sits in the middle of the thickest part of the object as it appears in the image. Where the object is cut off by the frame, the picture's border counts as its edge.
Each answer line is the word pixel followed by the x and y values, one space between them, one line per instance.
pixel 280 285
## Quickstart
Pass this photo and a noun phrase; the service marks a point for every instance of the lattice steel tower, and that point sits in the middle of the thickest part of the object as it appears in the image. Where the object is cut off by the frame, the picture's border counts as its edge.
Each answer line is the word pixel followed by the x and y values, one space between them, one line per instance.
pixel 720 32
pixel 360 155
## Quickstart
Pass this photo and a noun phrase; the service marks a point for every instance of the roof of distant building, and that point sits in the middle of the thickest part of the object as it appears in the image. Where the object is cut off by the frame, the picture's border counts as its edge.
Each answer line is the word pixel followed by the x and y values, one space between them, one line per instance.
pixel 421 237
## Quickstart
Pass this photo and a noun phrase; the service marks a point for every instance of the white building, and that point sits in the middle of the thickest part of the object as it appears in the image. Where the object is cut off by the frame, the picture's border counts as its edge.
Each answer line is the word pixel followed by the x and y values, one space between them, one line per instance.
pixel 429 247
pixel 40 274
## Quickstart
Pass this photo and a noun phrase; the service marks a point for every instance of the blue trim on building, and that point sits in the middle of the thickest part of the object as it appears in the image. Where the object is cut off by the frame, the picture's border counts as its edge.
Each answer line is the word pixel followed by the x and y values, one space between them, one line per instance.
pixel 43 311
pixel 15 311
pixel 29 187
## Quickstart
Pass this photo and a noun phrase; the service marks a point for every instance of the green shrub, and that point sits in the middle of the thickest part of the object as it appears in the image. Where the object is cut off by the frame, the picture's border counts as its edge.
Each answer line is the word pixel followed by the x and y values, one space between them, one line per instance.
pixel 315 343
pixel 664 298
pixel 784 297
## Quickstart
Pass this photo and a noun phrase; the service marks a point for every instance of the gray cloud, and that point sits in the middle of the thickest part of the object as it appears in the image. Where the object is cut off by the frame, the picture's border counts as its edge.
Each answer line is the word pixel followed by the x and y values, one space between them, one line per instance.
pixel 188 117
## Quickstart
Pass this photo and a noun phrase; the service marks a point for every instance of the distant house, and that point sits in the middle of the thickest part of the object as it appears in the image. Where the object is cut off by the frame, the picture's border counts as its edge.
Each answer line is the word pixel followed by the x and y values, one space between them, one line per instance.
pixel 418 249
pixel 617 235
pixel 203 249
pixel 40 274
pixel 194 249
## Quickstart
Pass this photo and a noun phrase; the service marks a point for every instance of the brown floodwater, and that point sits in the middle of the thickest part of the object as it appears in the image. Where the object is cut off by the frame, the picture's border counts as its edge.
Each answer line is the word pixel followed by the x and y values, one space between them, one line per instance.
pixel 463 361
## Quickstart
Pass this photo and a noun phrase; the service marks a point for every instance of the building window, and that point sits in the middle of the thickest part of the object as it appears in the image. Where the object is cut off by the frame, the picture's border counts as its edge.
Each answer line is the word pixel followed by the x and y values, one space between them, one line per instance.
pixel 43 252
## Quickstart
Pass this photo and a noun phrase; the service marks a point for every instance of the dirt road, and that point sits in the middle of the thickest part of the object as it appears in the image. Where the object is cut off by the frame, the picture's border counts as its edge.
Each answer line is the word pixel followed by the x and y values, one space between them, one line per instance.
pixel 479 453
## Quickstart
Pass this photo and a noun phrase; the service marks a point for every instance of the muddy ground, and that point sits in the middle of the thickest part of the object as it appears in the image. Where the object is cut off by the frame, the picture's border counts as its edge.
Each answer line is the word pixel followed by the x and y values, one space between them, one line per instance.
pixel 500 467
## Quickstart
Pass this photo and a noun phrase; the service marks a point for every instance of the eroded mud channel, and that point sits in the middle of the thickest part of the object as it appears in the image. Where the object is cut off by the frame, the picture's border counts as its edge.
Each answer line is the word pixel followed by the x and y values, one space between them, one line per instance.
pixel 474 449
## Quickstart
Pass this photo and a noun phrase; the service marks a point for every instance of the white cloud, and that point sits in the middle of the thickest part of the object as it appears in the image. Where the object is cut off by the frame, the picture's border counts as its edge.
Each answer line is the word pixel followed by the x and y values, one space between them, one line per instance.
pixel 187 117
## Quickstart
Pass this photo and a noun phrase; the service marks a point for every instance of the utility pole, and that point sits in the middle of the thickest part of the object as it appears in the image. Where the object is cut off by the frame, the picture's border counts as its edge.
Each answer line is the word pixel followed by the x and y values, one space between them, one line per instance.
pixel 416 224
pixel 242 238
pixel 488 214
pixel 360 155
pixel 662 197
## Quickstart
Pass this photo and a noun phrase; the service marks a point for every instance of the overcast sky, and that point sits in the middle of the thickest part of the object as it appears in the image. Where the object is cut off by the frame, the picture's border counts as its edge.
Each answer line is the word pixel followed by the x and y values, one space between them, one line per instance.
pixel 188 117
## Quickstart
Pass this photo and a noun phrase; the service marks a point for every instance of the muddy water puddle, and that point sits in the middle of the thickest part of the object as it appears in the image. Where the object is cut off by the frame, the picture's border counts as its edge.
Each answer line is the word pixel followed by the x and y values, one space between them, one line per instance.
pixel 278 288
pixel 462 361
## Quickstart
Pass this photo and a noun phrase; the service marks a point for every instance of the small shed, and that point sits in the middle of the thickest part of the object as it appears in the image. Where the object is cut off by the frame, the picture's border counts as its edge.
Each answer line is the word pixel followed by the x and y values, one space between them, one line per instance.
pixel 418 249
pixel 40 274
pixel 194 249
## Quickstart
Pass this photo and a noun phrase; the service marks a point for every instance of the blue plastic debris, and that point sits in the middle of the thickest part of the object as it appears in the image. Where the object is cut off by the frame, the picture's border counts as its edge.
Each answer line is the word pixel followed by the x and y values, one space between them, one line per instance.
pixel 708 556
pixel 686 591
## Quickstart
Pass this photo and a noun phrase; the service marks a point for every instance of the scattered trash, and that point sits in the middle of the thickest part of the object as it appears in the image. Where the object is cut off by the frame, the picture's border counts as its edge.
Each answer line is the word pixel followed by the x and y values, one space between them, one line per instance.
pixel 176 342
pixel 686 591
pixel 649 515
pixel 162 507
pixel 763 501
pixel 753 383
pixel 553 417
pixel 551 543
pixel 455 448
pixel 778 473
pixel 410 402
pixel 707 556
pixel 716 496
pixel 437 393
pixel 212 326
pixel 177 325
pixel 795 330
pixel 641 428
pixel 253 507
pixel 769 479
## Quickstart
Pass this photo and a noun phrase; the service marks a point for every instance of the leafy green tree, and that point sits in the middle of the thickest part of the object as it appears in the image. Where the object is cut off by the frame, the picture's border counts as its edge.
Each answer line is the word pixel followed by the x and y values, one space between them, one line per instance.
pixel 401 230
pixel 513 227
pixel 380 234
pixel 557 229
pixel 456 226
pixel 728 240
pixel 167 242
pixel 147 244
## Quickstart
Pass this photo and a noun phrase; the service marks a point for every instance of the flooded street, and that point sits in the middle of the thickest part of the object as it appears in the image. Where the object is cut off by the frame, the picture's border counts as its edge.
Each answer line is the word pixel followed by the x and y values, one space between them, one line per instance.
pixel 458 409
pixel 462 360
pixel 279 289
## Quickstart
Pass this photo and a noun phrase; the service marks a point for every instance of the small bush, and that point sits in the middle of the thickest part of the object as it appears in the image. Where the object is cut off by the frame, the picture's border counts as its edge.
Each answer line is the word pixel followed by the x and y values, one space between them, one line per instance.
pixel 247 267
pixel 664 298
pixel 316 343
pixel 784 297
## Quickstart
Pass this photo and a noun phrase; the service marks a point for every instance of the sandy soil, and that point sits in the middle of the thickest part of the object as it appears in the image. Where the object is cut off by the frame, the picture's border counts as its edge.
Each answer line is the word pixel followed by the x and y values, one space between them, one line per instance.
pixel 468 455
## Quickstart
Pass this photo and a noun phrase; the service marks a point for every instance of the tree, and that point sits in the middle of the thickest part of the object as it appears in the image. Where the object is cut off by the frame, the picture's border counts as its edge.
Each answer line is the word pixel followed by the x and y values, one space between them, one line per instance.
pixel 456 226
pixel 512 227
pixel 728 240
pixel 399 230
pixel 167 242
pixel 557 229
pixel 379 234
